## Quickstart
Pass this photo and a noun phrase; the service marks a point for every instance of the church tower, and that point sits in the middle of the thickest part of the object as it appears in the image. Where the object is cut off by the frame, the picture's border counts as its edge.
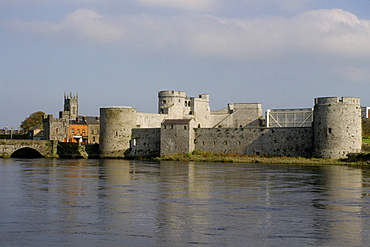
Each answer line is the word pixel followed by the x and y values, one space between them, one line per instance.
pixel 71 105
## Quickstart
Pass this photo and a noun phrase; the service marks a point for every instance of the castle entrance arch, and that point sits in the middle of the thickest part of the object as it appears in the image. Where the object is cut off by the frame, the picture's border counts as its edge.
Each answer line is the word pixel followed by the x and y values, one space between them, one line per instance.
pixel 26 153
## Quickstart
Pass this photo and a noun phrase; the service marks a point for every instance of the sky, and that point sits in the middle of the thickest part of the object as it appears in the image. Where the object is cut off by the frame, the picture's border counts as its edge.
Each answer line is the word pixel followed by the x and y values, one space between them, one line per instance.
pixel 280 53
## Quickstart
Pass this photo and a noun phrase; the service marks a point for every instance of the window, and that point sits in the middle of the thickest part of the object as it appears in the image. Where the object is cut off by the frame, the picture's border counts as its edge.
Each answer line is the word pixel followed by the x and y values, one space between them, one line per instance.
pixel 133 143
pixel 184 127
pixel 56 130
pixel 329 130
pixel 93 139
pixel 72 131
pixel 171 126
pixel 198 125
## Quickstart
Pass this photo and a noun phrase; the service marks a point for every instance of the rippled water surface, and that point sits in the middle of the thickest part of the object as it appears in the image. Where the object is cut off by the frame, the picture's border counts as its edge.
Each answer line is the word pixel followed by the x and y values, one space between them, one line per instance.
pixel 47 202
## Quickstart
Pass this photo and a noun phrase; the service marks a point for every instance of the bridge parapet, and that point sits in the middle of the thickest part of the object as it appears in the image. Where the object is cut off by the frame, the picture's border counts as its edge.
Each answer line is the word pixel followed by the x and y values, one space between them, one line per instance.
pixel 47 149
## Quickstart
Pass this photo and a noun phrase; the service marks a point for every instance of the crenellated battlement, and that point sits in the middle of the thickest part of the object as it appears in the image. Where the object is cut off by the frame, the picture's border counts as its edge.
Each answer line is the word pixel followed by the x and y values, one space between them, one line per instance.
pixel 337 100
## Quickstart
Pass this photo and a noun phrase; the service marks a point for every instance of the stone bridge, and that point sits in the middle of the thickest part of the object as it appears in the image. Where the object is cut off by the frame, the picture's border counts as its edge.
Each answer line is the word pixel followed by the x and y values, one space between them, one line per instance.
pixel 28 149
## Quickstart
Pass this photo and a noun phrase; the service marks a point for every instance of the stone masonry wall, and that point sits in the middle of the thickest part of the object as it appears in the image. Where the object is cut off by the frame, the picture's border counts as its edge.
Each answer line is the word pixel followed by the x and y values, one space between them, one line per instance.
pixel 337 127
pixel 116 125
pixel 256 141
pixel 176 138
pixel 55 128
pixel 145 142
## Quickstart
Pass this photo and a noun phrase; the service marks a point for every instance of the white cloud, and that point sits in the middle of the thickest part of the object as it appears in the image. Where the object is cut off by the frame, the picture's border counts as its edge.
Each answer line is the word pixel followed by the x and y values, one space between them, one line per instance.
pixel 195 5
pixel 91 25
pixel 317 32
pixel 322 31
pixel 81 24
pixel 284 5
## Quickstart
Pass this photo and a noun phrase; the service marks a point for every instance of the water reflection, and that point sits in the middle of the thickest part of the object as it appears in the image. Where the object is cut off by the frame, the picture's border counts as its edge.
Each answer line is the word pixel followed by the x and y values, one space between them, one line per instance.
pixel 136 203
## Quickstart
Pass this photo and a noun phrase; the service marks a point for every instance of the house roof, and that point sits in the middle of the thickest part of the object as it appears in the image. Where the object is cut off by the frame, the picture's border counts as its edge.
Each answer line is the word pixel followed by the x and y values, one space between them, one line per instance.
pixel 92 120
pixel 39 134
pixel 86 120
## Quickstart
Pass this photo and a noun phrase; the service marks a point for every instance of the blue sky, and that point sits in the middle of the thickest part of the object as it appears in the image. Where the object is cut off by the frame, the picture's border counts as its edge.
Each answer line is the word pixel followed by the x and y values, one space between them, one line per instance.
pixel 281 53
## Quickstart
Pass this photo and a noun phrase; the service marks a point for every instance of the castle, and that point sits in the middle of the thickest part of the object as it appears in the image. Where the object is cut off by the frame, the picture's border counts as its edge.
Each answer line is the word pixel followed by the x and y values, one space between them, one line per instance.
pixel 184 124
pixel 331 129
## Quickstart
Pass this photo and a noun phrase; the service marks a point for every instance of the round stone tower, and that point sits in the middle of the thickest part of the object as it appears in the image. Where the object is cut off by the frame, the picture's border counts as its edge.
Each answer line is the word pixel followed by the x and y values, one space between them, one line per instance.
pixel 174 103
pixel 336 127
pixel 116 124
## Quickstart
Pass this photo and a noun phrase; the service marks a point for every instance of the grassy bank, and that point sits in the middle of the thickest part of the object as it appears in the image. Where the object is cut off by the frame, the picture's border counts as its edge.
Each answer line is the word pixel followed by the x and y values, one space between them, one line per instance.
pixel 197 156
pixel 366 139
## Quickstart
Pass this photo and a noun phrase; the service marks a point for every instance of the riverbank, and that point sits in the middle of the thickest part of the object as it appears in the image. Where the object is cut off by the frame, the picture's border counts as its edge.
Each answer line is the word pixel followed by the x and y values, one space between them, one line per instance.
pixel 235 158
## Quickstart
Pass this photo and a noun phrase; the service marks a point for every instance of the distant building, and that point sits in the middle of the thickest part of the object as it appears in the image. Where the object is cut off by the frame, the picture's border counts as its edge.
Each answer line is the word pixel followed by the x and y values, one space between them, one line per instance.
pixel 70 127
pixel 36 132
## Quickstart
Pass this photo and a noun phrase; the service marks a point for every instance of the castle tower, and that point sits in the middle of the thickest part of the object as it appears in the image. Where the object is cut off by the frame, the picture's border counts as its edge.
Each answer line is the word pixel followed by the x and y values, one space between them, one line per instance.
pixel 116 125
pixel 71 105
pixel 336 127
pixel 174 103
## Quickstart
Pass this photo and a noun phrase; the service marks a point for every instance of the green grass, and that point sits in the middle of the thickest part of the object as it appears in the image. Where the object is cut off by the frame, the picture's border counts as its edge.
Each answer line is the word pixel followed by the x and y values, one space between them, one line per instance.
pixel 197 156
pixel 366 140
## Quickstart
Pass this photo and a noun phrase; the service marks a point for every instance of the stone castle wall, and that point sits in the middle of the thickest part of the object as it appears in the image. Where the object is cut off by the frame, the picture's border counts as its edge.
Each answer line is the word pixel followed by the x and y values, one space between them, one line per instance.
pixel 55 128
pixel 145 142
pixel 256 141
pixel 177 136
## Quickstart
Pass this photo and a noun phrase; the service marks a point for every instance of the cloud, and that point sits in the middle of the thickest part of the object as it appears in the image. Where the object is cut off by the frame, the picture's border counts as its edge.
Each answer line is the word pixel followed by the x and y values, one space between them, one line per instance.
pixel 81 24
pixel 317 32
pixel 89 24
pixel 194 5
pixel 285 5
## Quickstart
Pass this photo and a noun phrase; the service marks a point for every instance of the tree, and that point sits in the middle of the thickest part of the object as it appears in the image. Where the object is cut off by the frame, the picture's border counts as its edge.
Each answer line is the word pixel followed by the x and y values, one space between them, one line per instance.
pixel 33 120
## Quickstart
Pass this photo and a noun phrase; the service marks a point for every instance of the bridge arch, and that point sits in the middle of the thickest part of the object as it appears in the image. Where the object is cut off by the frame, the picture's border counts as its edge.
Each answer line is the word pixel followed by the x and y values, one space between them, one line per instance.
pixel 28 148
pixel 26 152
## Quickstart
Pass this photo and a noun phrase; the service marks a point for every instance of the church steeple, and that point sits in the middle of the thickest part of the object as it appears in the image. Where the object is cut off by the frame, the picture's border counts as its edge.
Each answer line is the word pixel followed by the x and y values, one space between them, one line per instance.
pixel 71 105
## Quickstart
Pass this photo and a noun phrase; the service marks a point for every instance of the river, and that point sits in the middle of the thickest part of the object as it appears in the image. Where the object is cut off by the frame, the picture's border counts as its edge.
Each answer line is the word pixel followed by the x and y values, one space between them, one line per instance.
pixel 46 202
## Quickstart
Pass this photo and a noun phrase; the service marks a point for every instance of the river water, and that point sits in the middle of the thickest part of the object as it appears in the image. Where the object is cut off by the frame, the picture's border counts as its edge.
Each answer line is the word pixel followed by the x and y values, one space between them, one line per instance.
pixel 46 202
